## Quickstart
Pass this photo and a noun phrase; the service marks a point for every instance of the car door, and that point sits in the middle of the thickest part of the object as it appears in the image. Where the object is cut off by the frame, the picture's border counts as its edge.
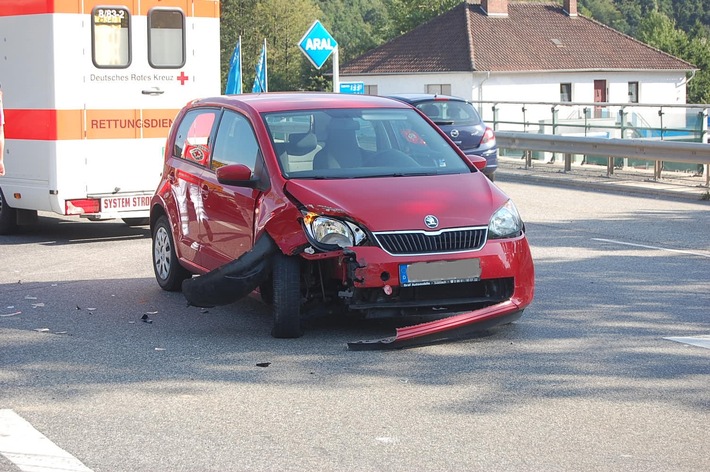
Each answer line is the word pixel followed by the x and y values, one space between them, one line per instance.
pixel 228 227
pixel 190 158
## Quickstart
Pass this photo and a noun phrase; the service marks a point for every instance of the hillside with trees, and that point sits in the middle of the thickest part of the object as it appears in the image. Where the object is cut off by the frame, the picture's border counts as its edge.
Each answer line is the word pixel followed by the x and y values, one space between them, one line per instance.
pixel 678 27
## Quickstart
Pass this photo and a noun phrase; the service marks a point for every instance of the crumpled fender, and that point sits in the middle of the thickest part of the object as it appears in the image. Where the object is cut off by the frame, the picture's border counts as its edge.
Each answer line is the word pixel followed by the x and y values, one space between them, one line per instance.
pixel 452 327
pixel 233 280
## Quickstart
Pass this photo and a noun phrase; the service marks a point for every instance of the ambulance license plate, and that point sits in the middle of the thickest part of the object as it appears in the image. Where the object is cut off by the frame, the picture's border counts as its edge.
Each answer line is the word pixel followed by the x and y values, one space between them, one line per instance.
pixel 440 272
pixel 125 203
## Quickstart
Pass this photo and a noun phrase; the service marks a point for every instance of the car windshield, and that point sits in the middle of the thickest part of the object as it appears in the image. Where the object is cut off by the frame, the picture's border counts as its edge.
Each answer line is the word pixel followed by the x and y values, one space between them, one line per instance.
pixel 359 143
pixel 450 112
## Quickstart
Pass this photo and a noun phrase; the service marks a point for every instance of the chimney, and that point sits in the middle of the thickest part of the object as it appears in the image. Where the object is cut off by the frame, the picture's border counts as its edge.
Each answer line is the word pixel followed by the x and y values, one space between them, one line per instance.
pixel 500 7
pixel 570 6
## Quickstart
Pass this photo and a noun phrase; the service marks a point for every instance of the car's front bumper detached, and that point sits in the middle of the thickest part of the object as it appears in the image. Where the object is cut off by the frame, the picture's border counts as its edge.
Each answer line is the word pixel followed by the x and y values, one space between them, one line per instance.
pixel 453 327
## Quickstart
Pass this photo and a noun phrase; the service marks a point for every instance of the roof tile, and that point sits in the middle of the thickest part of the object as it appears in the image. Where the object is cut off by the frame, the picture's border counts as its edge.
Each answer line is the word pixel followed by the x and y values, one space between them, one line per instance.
pixel 533 37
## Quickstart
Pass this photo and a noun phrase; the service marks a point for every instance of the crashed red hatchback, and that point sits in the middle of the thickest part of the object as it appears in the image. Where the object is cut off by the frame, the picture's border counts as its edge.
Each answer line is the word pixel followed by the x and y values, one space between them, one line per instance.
pixel 355 203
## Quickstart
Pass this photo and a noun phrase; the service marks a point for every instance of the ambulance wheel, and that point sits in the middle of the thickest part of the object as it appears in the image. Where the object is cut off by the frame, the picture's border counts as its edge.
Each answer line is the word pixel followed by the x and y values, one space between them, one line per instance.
pixel 168 271
pixel 286 297
pixel 8 216
pixel 136 221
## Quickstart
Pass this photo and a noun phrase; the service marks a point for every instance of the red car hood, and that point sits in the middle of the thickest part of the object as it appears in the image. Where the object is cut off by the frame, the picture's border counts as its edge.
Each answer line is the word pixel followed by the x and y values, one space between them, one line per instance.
pixel 401 203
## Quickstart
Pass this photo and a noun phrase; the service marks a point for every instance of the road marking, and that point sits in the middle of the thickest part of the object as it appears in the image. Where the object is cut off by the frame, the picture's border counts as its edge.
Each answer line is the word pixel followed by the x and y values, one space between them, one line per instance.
pixel 678 251
pixel 30 450
pixel 700 341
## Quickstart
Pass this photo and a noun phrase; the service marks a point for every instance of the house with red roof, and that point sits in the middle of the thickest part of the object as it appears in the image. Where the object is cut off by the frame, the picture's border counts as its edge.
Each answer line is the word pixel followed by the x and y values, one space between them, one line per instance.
pixel 522 51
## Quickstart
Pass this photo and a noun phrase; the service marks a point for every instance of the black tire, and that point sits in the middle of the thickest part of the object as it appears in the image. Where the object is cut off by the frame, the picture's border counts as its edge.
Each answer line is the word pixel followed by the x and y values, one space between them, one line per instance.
pixel 287 297
pixel 136 221
pixel 8 217
pixel 168 271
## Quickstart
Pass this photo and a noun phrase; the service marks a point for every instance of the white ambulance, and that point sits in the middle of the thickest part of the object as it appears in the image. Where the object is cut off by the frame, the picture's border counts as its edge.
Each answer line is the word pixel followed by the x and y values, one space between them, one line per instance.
pixel 91 88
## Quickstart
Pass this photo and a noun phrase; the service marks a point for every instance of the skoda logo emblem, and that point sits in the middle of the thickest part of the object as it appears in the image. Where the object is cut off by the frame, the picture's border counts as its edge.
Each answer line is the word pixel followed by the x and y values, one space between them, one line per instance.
pixel 431 221
pixel 454 133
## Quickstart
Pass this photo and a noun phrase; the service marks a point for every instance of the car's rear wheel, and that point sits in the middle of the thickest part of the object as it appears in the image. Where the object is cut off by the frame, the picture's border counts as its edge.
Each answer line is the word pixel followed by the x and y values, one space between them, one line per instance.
pixel 8 217
pixel 286 297
pixel 168 271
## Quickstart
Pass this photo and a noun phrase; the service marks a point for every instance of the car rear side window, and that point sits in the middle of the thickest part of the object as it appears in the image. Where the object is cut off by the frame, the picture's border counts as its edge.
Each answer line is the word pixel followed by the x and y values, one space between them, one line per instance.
pixel 450 112
pixel 192 141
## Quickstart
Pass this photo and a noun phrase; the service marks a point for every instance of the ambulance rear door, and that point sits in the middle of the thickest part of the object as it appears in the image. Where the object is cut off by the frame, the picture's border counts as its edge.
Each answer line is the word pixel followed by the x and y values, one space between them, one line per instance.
pixel 147 59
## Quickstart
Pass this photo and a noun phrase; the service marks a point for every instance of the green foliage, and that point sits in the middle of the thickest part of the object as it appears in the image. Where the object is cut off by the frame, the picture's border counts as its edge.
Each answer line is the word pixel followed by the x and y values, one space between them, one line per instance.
pixel 282 24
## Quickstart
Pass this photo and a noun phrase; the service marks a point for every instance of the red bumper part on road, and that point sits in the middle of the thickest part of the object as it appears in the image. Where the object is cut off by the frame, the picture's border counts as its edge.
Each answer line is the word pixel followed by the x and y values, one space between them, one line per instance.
pixel 455 326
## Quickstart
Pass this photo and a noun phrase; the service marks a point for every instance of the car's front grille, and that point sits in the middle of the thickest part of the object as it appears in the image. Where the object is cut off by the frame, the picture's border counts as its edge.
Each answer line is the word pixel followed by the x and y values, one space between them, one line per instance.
pixel 423 242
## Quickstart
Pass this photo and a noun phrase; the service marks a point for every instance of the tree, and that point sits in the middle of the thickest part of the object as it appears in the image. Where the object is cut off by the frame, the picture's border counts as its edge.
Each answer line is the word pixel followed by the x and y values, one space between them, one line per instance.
pixel 282 24
pixel 408 14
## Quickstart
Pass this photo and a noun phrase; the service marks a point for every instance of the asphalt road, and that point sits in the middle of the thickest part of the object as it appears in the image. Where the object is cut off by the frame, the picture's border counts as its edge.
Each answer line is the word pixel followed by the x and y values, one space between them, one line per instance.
pixel 584 381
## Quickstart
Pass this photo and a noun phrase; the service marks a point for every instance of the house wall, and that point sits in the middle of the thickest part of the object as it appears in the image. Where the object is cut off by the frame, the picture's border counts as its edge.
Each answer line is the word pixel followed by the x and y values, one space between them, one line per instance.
pixel 654 87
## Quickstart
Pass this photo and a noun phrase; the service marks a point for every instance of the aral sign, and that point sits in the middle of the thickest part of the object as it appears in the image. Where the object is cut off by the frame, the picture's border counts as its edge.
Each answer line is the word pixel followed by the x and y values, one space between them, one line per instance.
pixel 317 44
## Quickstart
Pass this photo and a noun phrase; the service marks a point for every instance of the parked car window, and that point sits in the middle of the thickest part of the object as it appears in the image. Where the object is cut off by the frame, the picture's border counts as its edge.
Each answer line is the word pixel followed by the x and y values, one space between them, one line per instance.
pixel 235 142
pixel 192 141
pixel 450 112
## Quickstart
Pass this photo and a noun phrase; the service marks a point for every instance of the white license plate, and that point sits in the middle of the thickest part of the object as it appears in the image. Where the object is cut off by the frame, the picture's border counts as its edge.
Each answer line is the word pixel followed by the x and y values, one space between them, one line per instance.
pixel 440 272
pixel 125 203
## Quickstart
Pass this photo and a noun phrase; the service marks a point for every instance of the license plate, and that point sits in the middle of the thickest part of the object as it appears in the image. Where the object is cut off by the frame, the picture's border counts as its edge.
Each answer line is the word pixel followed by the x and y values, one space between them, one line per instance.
pixel 440 272
pixel 125 203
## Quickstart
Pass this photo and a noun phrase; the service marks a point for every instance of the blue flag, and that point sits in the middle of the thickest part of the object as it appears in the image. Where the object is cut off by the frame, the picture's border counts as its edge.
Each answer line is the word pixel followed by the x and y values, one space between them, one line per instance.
pixel 260 81
pixel 234 79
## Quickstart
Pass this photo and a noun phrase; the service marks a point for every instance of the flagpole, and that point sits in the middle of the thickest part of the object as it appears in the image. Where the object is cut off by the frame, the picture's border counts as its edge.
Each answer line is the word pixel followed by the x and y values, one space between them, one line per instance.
pixel 239 86
pixel 266 69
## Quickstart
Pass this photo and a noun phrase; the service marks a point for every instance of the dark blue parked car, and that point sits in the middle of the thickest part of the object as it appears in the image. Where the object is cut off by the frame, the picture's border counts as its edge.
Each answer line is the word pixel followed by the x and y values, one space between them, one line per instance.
pixel 460 120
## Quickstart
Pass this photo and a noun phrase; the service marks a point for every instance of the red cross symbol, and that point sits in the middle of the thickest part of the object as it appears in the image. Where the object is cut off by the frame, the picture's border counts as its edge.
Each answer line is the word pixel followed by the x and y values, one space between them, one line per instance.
pixel 182 78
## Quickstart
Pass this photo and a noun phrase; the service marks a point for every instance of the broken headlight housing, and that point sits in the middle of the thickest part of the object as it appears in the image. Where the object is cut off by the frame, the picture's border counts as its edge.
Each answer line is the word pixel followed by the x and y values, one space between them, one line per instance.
pixel 332 232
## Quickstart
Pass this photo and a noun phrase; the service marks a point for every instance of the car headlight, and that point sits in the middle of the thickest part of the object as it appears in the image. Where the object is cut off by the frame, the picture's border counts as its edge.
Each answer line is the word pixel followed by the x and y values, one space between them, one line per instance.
pixel 332 231
pixel 505 222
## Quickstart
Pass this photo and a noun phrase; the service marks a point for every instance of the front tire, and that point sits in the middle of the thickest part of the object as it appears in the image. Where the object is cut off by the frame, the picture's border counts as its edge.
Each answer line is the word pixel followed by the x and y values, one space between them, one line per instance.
pixel 8 216
pixel 168 271
pixel 287 297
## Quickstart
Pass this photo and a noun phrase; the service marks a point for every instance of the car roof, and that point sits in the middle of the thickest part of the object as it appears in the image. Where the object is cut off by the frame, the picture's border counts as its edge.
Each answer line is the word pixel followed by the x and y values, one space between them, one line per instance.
pixel 424 97
pixel 285 101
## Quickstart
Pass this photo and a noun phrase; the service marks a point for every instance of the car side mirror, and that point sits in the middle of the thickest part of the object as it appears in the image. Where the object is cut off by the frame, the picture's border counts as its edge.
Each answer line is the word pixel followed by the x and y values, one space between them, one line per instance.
pixel 237 175
pixel 477 161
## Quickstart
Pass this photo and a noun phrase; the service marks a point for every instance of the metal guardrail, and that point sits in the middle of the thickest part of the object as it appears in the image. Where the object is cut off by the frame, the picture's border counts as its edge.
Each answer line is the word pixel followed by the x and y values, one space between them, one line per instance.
pixel 652 150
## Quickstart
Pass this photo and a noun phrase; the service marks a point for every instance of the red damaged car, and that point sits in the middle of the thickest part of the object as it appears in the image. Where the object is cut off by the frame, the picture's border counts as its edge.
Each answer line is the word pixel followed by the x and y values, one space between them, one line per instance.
pixel 354 203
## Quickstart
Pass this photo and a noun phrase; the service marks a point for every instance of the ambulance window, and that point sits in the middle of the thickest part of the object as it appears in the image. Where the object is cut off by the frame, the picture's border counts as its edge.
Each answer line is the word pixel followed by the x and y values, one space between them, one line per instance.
pixel 235 142
pixel 111 34
pixel 192 141
pixel 166 38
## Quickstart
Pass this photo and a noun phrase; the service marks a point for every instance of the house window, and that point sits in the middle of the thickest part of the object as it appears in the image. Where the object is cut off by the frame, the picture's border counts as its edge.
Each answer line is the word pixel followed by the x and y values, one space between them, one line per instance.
pixel 439 89
pixel 566 92
pixel 371 89
pixel 633 92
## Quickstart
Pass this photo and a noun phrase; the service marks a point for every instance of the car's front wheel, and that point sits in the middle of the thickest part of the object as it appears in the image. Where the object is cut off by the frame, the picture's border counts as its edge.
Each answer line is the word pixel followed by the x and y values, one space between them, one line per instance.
pixel 286 297
pixel 168 271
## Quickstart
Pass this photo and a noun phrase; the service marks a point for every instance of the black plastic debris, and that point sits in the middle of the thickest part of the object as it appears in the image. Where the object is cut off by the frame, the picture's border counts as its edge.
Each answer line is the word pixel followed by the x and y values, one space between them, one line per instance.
pixel 263 364
pixel 146 319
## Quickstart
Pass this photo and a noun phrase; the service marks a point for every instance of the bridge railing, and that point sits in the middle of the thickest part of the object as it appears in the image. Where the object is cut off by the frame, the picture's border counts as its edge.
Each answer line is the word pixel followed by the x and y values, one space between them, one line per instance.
pixel 615 134
pixel 614 148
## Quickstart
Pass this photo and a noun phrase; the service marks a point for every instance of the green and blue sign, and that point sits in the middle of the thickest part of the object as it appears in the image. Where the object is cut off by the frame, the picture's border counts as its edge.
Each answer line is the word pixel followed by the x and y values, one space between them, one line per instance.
pixel 317 44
